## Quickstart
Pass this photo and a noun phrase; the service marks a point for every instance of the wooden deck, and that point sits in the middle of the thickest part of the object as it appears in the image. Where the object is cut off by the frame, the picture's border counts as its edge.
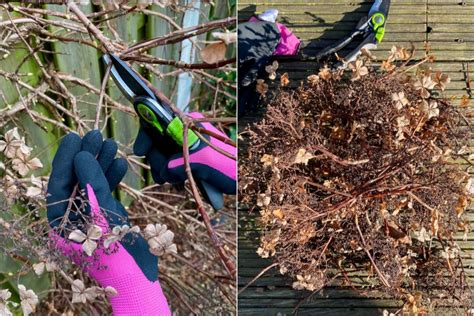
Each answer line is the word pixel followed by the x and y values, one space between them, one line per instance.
pixel 448 29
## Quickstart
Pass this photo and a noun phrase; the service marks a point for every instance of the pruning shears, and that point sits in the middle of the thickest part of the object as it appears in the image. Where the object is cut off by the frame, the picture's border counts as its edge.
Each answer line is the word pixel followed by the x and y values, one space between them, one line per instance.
pixel 158 119
pixel 371 28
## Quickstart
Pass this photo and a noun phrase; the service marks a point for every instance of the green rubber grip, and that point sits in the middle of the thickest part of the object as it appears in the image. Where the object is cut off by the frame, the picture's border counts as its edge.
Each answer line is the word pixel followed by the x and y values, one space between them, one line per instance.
pixel 379 34
pixel 175 130
pixel 149 116
pixel 378 21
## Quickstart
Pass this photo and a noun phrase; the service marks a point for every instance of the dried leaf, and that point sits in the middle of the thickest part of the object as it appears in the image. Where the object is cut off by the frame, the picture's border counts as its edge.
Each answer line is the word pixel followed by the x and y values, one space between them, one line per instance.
pixel 450 252
pixel 118 232
pixel 461 205
pixel 464 101
pixel 387 66
pixel 423 235
pixel 402 121
pixel 94 232
pixel 441 80
pixel 424 85
pixel 160 239
pixel 396 233
pixel 268 160
pixel 358 69
pixel 284 81
pixel 470 186
pixel 271 70
pixel 367 53
pixel 263 200
pixel 313 79
pixel 89 246
pixel 77 236
pixel 213 53
pixel 398 52
pixel 278 213
pixel 325 73
pixel 302 156
pixel 110 291
pixel 82 295
pixel 262 87
pixel 430 108
pixel 4 297
pixel 400 99
pixel 29 300
pixel 226 37
pixel 11 143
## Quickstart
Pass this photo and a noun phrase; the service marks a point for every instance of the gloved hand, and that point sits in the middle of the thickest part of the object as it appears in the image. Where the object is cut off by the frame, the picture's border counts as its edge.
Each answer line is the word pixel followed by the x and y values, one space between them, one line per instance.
pixel 127 265
pixel 206 163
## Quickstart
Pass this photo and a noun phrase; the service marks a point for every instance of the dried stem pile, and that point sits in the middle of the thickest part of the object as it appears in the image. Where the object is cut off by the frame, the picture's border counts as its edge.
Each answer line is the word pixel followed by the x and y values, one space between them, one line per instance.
pixel 360 177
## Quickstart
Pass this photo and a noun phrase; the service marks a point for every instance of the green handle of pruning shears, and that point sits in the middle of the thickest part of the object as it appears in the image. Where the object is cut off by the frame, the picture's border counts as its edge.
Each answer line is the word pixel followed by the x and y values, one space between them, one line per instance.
pixel 378 22
pixel 172 125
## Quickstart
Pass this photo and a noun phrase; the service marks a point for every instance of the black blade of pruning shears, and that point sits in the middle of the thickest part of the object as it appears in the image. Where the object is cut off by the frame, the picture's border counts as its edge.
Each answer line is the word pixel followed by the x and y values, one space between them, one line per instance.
pixel 371 28
pixel 158 119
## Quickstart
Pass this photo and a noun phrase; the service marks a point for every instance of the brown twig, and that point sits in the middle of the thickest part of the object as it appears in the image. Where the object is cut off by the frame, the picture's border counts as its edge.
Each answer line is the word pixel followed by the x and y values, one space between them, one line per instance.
pixel 381 276
pixel 101 96
pixel 228 263
pixel 107 46
pixel 275 264
pixel 178 64
pixel 179 35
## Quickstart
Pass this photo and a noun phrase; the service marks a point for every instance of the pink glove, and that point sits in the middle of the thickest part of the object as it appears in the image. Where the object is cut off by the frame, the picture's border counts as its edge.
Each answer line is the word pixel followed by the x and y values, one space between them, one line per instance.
pixel 207 164
pixel 127 265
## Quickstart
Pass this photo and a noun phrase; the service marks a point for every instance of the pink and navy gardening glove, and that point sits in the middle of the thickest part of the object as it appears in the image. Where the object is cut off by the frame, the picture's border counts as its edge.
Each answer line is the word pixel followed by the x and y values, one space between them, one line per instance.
pixel 207 164
pixel 126 265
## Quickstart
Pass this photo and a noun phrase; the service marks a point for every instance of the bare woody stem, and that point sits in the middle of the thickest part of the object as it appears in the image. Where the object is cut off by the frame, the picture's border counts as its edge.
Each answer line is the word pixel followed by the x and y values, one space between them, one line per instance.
pixel 90 26
pixel 228 263
pixel 180 35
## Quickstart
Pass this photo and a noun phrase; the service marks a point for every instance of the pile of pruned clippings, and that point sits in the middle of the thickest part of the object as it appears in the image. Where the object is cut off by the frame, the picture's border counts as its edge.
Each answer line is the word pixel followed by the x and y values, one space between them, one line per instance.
pixel 359 172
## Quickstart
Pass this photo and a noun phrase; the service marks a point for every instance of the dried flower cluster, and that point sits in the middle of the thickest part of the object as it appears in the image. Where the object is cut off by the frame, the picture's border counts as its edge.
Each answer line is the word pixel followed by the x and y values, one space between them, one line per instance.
pixel 18 162
pixel 361 176
pixel 160 239
pixel 81 294
pixel 28 301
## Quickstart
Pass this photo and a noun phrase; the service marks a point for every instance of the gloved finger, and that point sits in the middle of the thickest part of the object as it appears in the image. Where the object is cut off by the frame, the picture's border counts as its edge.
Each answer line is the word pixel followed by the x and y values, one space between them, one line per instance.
pixel 89 172
pixel 107 154
pixel 158 164
pixel 62 179
pixel 92 142
pixel 116 172
pixel 143 143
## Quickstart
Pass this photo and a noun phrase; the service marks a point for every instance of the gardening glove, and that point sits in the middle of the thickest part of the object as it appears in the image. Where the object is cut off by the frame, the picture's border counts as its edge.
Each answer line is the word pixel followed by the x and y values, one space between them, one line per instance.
pixel 127 264
pixel 206 163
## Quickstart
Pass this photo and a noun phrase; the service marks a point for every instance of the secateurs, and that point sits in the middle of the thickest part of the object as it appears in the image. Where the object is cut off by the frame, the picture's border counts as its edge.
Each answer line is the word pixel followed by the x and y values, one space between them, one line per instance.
pixel 158 119
pixel 371 28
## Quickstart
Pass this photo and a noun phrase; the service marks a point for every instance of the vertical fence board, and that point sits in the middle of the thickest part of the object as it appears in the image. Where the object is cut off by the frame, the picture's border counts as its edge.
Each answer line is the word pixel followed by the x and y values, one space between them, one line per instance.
pixel 80 61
